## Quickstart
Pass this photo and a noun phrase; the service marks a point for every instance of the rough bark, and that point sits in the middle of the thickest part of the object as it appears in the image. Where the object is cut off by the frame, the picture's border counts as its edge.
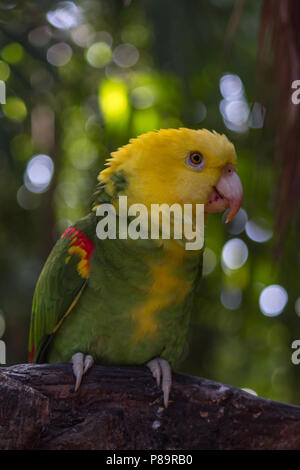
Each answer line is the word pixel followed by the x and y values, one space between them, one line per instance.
pixel 121 409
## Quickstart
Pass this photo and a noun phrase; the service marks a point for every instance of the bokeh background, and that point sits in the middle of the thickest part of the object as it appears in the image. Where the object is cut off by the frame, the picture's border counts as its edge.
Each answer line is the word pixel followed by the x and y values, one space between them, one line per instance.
pixel 81 79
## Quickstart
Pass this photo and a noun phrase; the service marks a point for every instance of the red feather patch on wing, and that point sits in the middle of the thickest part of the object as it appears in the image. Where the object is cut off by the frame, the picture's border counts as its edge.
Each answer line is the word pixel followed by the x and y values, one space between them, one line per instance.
pixel 81 246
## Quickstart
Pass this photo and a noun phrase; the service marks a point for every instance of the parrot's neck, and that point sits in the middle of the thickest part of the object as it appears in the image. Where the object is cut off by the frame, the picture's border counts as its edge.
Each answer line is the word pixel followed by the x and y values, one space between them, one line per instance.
pixel 149 220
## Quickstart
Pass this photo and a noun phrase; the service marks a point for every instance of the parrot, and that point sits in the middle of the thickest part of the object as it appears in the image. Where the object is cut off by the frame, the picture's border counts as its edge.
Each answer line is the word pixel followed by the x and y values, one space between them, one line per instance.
pixel 122 301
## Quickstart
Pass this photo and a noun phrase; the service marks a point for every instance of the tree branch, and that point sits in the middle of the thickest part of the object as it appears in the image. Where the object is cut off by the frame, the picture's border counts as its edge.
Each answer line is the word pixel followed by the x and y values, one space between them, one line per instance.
pixel 119 408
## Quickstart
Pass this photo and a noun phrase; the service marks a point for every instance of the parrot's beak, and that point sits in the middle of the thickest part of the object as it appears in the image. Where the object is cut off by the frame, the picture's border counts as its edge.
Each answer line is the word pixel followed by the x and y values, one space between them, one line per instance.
pixel 228 193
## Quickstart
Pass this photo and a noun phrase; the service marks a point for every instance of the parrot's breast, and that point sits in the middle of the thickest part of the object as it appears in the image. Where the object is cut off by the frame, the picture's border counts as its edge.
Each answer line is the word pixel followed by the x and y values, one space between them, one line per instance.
pixel 169 287
pixel 136 306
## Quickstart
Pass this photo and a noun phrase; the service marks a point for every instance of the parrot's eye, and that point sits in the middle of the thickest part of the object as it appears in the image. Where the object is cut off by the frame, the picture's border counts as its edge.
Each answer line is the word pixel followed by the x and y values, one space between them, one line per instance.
pixel 195 160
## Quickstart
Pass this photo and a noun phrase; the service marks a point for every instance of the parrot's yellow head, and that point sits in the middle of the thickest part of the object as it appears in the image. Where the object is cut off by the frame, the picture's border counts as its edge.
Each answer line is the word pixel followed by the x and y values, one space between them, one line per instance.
pixel 182 166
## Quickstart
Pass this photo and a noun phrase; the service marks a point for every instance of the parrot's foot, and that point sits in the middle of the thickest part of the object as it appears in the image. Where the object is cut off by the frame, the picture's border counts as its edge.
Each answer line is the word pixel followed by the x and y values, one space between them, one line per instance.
pixel 161 369
pixel 81 364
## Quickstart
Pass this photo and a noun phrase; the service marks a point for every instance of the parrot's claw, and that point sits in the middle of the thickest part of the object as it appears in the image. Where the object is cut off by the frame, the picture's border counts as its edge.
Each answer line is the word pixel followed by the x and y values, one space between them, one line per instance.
pixel 81 364
pixel 161 370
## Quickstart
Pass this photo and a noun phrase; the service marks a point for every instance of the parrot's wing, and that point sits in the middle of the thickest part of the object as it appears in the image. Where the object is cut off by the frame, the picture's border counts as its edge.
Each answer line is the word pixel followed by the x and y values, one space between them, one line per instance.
pixel 59 288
